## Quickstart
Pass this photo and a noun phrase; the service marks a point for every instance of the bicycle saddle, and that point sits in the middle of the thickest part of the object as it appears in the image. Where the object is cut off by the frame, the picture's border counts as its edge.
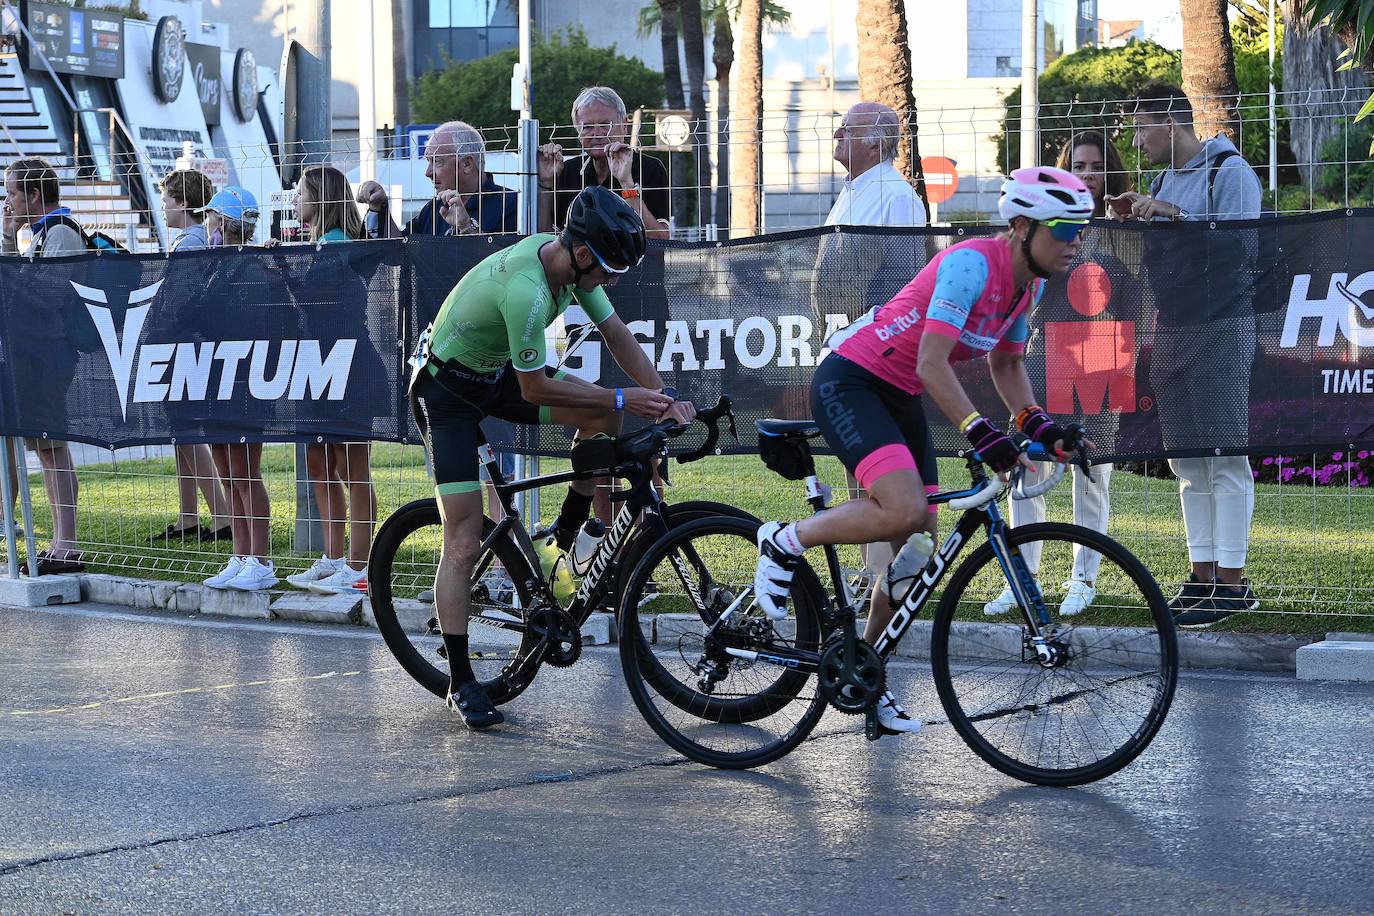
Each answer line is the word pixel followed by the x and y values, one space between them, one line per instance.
pixel 807 429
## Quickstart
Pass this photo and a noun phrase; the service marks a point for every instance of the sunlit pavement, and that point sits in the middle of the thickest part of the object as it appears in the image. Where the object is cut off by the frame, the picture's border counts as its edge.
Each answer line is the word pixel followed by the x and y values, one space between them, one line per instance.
pixel 165 764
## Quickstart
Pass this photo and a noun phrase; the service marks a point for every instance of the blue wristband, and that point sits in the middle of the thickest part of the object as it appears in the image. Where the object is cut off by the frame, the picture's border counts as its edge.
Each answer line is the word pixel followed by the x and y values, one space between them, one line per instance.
pixel 619 399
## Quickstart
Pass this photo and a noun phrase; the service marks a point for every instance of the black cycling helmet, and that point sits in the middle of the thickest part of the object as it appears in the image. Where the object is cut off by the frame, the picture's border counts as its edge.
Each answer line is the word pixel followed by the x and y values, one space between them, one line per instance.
pixel 608 225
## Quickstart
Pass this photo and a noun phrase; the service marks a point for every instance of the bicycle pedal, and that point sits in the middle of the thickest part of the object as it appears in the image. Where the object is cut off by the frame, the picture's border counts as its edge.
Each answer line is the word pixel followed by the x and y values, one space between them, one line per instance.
pixel 872 730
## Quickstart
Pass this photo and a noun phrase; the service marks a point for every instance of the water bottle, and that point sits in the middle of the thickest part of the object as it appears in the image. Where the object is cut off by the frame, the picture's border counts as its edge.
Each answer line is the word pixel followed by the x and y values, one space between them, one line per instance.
pixel 555 569
pixel 373 222
pixel 906 566
pixel 584 548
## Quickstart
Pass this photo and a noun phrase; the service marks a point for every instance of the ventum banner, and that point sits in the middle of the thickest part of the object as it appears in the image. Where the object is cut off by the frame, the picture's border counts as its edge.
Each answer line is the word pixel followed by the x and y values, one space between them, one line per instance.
pixel 1164 340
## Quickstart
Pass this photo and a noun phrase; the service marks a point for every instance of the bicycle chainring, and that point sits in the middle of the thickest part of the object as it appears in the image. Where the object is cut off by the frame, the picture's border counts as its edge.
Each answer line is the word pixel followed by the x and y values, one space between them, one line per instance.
pixel 558 634
pixel 852 689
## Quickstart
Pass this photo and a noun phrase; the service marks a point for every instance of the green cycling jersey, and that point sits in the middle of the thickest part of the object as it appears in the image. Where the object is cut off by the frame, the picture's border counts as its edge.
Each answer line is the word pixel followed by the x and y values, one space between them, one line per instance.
pixel 499 310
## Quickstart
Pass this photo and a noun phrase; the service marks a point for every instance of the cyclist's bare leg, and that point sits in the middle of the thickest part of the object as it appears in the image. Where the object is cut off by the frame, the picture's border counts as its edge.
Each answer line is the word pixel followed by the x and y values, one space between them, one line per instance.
pixel 462 517
pixel 896 506
pixel 880 606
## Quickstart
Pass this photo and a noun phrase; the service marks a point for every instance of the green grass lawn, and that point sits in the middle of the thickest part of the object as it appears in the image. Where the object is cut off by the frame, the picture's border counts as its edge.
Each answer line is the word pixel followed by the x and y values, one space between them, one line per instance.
pixel 1310 555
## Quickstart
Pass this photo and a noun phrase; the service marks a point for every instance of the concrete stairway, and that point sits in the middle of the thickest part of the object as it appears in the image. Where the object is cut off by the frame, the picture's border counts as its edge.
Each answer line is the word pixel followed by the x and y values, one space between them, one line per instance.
pixel 100 206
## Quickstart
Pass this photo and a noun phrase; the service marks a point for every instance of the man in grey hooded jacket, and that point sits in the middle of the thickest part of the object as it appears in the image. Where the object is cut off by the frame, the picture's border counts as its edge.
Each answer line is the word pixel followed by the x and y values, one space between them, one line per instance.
pixel 1203 285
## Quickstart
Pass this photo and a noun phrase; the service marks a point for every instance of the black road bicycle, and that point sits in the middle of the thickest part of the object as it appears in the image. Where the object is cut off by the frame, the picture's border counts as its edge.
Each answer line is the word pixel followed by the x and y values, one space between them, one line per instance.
pixel 521 624
pixel 1047 699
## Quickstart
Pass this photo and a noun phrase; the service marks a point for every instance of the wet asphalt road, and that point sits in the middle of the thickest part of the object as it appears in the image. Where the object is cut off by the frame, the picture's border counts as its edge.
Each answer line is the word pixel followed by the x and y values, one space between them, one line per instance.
pixel 159 764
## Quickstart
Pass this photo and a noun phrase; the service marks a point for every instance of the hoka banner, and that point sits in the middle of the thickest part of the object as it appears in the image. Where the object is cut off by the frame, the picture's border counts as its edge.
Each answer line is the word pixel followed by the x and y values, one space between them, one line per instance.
pixel 1173 339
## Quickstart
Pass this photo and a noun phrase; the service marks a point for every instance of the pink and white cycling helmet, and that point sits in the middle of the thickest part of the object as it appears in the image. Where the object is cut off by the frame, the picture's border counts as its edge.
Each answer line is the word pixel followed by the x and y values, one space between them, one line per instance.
pixel 1043 192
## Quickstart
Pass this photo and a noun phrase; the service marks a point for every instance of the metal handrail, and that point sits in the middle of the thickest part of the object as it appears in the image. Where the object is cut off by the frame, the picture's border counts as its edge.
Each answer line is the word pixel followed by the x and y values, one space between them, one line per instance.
pixel 115 121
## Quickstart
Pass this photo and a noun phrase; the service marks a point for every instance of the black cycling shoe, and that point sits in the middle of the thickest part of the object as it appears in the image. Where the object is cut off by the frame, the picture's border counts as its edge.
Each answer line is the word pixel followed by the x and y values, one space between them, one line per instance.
pixel 473 704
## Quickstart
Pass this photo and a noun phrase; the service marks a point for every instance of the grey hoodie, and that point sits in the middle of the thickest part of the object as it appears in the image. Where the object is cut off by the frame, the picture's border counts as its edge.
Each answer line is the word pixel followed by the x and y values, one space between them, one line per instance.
pixel 1236 192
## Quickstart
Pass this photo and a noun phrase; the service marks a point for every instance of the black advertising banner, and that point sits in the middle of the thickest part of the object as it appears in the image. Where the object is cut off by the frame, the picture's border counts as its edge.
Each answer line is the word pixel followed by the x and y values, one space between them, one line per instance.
pixel 1168 340
pixel 206 346
pixel 87 41
pixel 204 61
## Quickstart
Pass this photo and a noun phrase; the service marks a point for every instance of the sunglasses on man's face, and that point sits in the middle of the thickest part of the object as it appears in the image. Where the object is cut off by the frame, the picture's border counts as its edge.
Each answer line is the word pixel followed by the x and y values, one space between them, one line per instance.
pixel 1065 230
pixel 604 266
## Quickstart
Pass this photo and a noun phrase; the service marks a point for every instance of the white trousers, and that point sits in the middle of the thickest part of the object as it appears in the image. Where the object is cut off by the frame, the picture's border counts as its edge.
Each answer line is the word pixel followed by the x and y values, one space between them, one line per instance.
pixel 1218 496
pixel 1091 507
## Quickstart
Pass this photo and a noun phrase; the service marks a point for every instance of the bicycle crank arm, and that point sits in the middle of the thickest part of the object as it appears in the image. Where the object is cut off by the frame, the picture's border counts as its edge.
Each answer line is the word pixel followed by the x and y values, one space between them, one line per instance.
pixel 503 623
pixel 800 661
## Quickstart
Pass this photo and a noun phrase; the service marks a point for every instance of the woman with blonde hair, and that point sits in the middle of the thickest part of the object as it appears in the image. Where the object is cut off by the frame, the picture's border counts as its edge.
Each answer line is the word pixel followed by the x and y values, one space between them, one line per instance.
pixel 341 472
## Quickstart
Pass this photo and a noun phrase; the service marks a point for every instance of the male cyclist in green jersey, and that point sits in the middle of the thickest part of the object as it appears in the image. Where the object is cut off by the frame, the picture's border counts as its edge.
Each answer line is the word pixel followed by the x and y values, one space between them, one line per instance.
pixel 485 355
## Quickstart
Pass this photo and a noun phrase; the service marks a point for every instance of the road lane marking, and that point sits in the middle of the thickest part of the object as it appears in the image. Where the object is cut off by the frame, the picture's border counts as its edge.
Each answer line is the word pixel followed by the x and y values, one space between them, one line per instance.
pixel 81 707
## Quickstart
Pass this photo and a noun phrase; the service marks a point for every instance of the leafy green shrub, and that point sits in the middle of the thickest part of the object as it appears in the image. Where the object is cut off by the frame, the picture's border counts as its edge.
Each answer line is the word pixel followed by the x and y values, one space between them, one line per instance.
pixel 478 91
pixel 1353 184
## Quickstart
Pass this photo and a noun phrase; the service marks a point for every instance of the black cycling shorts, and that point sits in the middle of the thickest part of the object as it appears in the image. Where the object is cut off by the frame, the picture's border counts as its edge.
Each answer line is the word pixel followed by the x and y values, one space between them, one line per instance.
pixel 449 408
pixel 872 425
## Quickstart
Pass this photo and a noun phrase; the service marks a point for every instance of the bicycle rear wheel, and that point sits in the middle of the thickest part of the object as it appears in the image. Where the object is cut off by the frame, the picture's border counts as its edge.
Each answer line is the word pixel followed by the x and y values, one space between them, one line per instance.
pixel 1093 711
pixel 405 557
pixel 711 706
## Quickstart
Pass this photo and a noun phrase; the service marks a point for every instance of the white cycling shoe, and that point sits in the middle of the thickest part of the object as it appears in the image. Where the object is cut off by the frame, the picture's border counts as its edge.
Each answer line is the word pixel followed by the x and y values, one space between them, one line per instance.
pixel 893 719
pixel 773 574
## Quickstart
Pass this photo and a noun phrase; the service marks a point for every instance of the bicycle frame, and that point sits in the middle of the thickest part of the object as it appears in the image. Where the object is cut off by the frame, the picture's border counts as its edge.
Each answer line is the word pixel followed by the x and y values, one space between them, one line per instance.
pixel 595 584
pixel 987 517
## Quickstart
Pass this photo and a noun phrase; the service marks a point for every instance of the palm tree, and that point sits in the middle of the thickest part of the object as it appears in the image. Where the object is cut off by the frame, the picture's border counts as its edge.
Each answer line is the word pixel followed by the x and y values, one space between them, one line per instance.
pixel 1319 93
pixel 746 129
pixel 885 77
pixel 669 16
pixel 1209 67
pixel 718 14
pixel 694 50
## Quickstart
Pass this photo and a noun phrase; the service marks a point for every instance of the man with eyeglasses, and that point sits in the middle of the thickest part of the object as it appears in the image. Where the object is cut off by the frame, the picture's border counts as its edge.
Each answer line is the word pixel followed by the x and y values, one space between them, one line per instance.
pixel 601 121
pixel 485 356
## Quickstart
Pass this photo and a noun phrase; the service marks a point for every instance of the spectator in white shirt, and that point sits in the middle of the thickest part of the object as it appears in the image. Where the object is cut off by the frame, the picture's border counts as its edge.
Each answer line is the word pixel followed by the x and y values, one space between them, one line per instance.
pixel 875 193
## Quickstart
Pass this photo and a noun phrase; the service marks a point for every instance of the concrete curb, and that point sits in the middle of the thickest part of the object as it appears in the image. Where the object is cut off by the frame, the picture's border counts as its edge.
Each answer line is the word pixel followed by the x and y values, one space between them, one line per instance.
pixel 1198 650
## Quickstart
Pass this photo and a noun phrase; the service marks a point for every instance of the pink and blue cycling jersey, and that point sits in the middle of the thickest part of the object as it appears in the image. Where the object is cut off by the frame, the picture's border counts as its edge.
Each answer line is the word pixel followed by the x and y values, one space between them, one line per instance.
pixel 968 293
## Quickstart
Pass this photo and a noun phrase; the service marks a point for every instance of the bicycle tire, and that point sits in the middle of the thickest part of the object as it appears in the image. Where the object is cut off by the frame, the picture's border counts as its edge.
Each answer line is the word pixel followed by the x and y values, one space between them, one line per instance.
pixel 402 524
pixel 977 644
pixel 645 673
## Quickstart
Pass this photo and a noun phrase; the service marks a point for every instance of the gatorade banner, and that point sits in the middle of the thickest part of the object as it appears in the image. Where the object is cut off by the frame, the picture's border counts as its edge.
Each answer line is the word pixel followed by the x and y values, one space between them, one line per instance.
pixel 1176 339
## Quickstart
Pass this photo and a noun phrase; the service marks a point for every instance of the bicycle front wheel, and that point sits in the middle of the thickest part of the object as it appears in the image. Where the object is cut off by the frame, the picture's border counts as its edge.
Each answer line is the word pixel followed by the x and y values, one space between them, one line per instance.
pixel 721 709
pixel 1098 703
pixel 401 570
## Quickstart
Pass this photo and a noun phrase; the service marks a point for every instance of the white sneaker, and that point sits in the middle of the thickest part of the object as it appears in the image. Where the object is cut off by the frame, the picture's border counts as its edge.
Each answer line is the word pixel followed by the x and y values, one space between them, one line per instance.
pixel 1077 598
pixel 321 569
pixel 341 582
pixel 895 719
pixel 221 578
pixel 253 576
pixel 1003 603
pixel 773 574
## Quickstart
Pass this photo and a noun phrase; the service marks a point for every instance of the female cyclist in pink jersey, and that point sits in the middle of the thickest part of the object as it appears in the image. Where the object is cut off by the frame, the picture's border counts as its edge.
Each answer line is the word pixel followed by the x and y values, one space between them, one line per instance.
pixel 971 300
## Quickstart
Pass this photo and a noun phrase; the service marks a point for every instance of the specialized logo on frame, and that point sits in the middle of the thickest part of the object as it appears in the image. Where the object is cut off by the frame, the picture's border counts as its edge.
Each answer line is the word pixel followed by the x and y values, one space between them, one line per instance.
pixel 185 370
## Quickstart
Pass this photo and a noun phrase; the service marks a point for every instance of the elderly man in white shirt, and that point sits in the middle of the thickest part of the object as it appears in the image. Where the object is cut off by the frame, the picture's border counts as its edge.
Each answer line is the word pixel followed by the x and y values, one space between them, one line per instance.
pixel 875 193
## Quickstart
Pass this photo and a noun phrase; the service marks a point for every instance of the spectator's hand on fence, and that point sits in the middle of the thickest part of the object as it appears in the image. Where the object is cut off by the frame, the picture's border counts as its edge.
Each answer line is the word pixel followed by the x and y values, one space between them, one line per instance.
pixel 621 160
pixel 1149 208
pixel 271 242
pixel 646 402
pixel 1119 206
pixel 372 194
pixel 455 214
pixel 550 165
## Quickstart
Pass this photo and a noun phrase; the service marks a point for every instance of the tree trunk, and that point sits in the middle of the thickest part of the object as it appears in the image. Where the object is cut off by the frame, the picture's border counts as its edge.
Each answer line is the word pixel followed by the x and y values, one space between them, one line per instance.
pixel 723 57
pixel 747 133
pixel 681 193
pixel 885 77
pixel 694 49
pixel 1209 68
pixel 400 72
pixel 1316 94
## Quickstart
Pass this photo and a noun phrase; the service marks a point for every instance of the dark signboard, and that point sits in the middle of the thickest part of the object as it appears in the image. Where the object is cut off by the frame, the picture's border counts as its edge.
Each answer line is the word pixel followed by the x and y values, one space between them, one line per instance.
pixel 204 62
pixel 85 41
